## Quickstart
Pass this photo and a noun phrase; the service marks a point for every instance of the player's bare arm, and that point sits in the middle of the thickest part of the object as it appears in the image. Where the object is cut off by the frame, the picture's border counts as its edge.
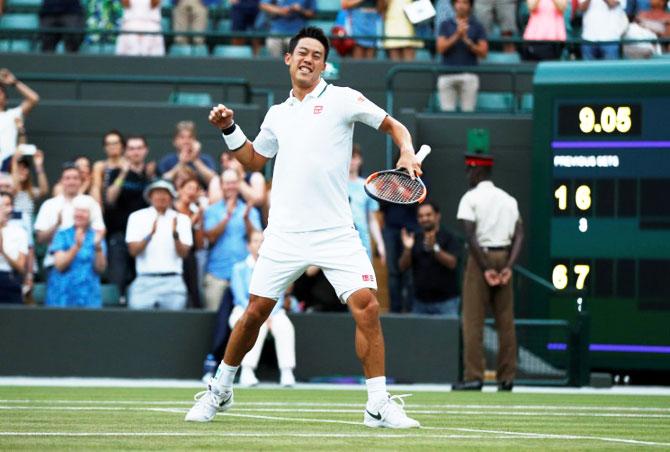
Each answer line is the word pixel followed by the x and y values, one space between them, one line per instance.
pixel 403 140
pixel 222 118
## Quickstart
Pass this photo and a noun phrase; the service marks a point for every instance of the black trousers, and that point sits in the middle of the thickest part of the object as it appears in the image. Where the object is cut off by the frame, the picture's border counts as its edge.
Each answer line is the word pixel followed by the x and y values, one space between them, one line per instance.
pixel 72 41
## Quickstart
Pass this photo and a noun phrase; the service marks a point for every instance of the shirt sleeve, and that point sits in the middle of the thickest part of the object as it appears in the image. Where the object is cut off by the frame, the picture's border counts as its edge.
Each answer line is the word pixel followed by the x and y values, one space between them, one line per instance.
pixel 465 210
pixel 135 231
pixel 59 242
pixel 255 218
pixel 210 220
pixel 479 32
pixel 97 222
pixel 266 143
pixel 361 109
pixel 447 28
pixel 238 286
pixel 184 229
pixel 45 217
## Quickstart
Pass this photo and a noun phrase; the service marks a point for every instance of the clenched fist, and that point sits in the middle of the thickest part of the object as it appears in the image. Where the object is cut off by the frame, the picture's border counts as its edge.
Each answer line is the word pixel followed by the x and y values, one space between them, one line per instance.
pixel 221 116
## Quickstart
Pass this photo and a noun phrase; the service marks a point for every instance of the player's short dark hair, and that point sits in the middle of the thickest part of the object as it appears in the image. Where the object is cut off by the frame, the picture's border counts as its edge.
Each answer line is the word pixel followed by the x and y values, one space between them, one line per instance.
pixel 310 32
pixel 114 132
pixel 432 204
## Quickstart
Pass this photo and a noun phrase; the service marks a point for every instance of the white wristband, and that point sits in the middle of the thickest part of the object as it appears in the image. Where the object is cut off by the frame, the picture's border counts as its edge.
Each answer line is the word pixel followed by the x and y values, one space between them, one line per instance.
pixel 236 139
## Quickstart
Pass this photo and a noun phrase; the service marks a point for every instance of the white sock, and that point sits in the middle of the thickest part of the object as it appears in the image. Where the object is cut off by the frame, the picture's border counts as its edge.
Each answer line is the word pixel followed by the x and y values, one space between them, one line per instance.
pixel 376 390
pixel 225 375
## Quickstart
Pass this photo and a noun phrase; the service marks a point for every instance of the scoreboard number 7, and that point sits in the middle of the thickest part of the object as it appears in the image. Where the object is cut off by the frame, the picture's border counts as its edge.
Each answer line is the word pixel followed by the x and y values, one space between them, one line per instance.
pixel 560 279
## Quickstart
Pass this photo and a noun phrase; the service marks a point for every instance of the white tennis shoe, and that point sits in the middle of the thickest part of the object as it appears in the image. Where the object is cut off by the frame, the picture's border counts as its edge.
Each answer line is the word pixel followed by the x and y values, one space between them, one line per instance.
pixel 390 414
pixel 207 404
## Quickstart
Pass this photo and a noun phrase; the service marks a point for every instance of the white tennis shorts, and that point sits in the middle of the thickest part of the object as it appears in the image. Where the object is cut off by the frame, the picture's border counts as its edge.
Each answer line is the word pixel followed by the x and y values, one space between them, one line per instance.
pixel 284 256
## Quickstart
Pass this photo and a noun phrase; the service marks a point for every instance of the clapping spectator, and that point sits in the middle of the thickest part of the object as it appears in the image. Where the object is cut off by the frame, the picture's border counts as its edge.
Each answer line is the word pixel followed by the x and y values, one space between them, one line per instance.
pixel 79 254
pixel 189 16
pixel 141 17
pixel 462 41
pixel 9 127
pixel 122 195
pixel 61 14
pixel 656 19
pixel 114 144
pixel 287 17
pixel 83 164
pixel 227 224
pixel 603 21
pixel 546 23
pixel 397 25
pixel 504 12
pixel 188 154
pixel 159 238
pixel 366 22
pixel 13 252
pixel 252 183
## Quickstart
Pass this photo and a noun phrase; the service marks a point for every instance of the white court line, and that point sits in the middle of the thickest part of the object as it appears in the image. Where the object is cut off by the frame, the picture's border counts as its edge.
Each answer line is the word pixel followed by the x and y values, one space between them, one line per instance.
pixel 409 406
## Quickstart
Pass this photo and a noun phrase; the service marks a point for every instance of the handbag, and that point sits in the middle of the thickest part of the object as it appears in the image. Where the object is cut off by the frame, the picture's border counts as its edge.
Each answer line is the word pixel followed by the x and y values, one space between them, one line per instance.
pixel 419 11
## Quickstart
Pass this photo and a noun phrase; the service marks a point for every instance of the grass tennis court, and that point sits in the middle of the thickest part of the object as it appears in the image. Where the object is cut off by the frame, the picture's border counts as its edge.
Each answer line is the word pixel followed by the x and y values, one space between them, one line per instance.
pixel 289 419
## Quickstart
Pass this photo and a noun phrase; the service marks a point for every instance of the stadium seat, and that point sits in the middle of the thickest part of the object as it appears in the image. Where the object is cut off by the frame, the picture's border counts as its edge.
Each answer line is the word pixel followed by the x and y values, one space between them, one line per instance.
pixel 24 5
pixel 233 51
pixel 502 58
pixel 16 45
pixel 495 102
pixel 19 21
pixel 98 48
pixel 332 6
pixel 188 98
pixel 325 25
pixel 39 292
pixel 110 295
pixel 188 50
pixel 224 26
pixel 423 55
pixel 526 103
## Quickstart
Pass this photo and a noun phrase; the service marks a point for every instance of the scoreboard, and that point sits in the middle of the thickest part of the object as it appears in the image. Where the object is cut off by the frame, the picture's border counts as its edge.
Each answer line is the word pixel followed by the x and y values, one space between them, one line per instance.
pixel 600 213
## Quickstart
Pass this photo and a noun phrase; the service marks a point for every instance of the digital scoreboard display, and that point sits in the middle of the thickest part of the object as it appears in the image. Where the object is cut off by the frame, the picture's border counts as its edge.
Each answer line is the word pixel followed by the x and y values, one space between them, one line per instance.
pixel 603 191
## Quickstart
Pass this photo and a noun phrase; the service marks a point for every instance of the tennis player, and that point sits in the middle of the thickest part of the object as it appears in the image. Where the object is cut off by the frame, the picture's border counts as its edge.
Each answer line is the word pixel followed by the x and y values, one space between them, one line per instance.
pixel 310 222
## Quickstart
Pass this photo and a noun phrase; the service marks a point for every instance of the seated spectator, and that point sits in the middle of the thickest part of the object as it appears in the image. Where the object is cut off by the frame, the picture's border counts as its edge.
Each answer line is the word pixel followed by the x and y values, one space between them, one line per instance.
pixel 244 14
pixel 114 144
pixel 366 20
pixel 188 154
pixel 461 42
pixel 187 203
pixel 227 224
pixel 504 12
pixel 139 17
pixel 58 212
pixel 432 255
pixel 83 164
pixel 287 17
pixel 9 128
pixel 278 323
pixel 123 186
pixel 396 24
pixel 61 14
pixel 159 238
pixel 13 252
pixel 656 19
pixel 252 183
pixel 603 20
pixel 546 23
pixel 79 254
pixel 189 16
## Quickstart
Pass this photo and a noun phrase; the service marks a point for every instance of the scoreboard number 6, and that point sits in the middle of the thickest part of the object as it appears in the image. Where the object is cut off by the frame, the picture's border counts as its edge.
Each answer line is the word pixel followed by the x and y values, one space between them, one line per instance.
pixel 560 279
pixel 582 197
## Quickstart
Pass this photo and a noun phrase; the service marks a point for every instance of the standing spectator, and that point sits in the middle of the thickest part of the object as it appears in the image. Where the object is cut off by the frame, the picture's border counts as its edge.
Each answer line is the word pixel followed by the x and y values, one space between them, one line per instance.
pixel 366 22
pixel 504 12
pixel 188 154
pixel 189 16
pixel 58 212
pixel 61 14
pixel 397 218
pixel 79 254
pixel 287 17
pixel 159 238
pixel 546 23
pixel 433 256
pixel 278 323
pixel 9 128
pixel 83 164
pixel 603 20
pixel 13 252
pixel 494 234
pixel 363 208
pixel 122 195
pixel 227 223
pixel 461 42
pixel 252 183
pixel 656 19
pixel 397 25
pixel 139 18
pixel 103 15
pixel 243 14
pixel 444 11
pixel 187 203
pixel 114 144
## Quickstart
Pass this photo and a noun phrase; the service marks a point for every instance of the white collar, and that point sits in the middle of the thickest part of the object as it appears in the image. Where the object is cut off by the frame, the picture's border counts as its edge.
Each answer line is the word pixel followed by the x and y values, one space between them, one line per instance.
pixel 316 92
pixel 485 184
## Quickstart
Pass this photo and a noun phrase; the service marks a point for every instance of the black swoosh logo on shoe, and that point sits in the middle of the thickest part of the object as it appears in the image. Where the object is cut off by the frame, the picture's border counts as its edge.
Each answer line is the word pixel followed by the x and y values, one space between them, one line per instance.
pixel 377 416
pixel 223 402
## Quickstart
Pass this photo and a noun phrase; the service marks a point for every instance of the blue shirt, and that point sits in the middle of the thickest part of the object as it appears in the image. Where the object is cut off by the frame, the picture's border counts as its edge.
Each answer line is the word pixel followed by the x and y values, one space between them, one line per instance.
pixel 169 161
pixel 291 24
pixel 231 246
pixel 79 285
pixel 459 54
pixel 361 206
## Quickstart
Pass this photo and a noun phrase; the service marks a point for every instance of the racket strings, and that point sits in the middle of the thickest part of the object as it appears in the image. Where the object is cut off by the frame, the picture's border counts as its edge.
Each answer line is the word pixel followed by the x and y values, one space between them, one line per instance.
pixel 393 187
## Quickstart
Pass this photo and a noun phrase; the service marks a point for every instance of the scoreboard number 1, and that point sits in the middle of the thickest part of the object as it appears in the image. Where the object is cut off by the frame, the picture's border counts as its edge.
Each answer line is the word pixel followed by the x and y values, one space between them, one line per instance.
pixel 582 197
pixel 560 279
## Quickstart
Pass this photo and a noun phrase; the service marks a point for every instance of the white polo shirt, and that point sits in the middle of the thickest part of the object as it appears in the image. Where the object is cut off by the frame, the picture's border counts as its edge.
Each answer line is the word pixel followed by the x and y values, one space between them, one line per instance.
pixel 8 131
pixel 602 23
pixel 312 141
pixel 14 241
pixel 494 212
pixel 48 216
pixel 160 255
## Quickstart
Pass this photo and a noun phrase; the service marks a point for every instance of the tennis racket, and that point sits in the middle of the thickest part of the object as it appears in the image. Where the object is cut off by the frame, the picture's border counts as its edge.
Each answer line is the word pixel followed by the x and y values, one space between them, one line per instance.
pixel 397 186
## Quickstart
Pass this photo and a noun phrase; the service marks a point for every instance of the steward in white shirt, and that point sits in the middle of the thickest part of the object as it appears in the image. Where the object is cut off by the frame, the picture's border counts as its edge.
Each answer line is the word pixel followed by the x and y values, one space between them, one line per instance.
pixel 159 238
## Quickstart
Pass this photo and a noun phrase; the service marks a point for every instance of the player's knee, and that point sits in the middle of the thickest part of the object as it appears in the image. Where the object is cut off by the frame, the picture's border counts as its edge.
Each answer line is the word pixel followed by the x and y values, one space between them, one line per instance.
pixel 365 305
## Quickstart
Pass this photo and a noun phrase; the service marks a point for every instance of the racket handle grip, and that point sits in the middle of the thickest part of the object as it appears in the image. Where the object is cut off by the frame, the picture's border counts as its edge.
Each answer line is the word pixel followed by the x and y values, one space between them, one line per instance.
pixel 423 152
